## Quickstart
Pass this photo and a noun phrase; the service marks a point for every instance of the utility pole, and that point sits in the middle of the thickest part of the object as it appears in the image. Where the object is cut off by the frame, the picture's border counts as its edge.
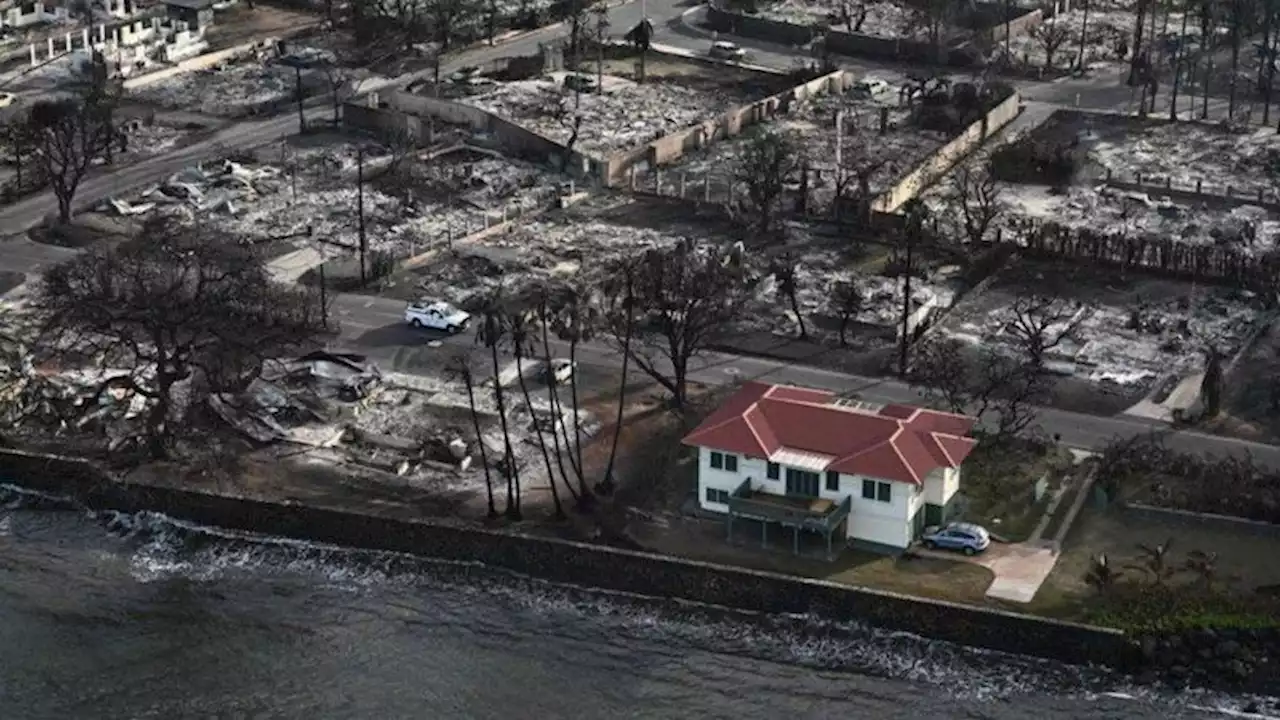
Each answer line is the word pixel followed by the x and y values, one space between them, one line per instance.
pixel 297 79
pixel 324 296
pixel 360 211
pixel 914 222
pixel 1177 66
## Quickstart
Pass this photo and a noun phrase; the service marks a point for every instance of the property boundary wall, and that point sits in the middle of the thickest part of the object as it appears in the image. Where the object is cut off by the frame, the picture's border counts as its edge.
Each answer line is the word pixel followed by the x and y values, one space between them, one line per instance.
pixel 579 563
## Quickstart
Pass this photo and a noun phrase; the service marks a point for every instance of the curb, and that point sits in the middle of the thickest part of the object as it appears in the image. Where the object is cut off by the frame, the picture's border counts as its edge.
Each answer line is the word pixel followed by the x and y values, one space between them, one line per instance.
pixel 683 19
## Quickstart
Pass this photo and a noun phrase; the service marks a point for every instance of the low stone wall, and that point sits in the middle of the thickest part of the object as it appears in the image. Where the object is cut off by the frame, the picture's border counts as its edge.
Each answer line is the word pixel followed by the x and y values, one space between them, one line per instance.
pixel 1223 523
pixel 937 164
pixel 582 564
pixel 1213 196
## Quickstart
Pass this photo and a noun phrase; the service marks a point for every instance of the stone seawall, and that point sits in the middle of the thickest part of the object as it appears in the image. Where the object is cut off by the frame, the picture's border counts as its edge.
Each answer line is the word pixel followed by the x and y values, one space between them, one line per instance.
pixel 583 564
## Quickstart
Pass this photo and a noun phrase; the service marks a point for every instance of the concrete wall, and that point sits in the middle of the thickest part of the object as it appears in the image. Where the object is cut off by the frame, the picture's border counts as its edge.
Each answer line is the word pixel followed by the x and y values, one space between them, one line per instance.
pixel 956 52
pixel 394 111
pixel 669 148
pixel 199 62
pixel 1220 523
pixel 937 164
pixel 586 565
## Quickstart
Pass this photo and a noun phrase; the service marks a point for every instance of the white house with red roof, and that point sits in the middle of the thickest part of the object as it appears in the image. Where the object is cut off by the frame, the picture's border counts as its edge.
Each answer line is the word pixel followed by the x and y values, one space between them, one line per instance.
pixel 871 474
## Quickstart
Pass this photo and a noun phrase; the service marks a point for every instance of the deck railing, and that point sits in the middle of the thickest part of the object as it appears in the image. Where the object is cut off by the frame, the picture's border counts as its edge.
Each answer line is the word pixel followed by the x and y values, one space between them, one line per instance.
pixel 744 502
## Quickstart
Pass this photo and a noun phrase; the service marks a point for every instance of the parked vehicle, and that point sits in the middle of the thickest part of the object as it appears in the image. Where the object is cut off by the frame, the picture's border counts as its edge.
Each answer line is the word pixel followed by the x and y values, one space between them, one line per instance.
pixel 6 99
pixel 968 538
pixel 580 83
pixel 727 51
pixel 559 372
pixel 869 87
pixel 436 316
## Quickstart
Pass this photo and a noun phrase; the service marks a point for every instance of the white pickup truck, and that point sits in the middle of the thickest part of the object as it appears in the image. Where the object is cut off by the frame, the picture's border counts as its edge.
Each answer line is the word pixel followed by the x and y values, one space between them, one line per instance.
pixel 436 316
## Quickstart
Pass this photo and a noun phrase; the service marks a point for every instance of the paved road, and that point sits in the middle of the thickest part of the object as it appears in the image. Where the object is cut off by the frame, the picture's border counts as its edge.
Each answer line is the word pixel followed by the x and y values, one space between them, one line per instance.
pixel 375 327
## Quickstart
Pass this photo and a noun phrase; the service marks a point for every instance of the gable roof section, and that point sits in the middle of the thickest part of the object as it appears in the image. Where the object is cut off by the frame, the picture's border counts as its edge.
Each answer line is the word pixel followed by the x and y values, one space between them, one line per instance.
pixel 899 442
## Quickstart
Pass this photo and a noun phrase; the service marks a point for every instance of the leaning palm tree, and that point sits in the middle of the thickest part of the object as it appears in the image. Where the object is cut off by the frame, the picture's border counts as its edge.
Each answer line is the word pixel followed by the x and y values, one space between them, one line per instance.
pixel 462 369
pixel 548 307
pixel 491 334
pixel 622 313
pixel 521 333
pixel 575 324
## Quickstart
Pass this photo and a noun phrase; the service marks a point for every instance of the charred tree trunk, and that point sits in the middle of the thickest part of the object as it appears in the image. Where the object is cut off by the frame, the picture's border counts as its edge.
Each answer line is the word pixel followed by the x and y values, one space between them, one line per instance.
pixel 484 455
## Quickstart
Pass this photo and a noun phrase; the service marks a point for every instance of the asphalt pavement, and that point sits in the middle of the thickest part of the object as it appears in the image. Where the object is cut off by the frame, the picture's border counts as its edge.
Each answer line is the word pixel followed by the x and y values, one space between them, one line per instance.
pixel 375 327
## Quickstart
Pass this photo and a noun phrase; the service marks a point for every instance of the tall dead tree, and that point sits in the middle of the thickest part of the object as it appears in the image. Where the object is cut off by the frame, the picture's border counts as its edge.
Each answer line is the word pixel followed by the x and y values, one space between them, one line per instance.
pixel 69 135
pixel 682 298
pixel 770 162
pixel 976 201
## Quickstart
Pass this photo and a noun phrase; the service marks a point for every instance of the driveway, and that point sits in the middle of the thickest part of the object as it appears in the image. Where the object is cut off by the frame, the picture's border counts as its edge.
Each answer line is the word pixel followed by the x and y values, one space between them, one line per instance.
pixel 1019 568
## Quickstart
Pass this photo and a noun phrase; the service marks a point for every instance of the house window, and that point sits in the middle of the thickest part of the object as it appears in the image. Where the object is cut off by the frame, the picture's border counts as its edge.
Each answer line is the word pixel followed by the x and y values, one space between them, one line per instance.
pixel 717 496
pixel 731 463
pixel 717 461
pixel 773 471
pixel 833 481
pixel 879 491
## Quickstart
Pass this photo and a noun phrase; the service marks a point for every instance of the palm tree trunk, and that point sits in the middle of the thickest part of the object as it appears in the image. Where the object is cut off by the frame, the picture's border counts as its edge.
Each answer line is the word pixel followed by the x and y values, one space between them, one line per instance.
pixel 513 475
pixel 1177 64
pixel 1084 33
pixel 1237 17
pixel 1138 31
pixel 606 484
pixel 1271 65
pixel 577 421
pixel 542 444
pixel 484 455
pixel 553 396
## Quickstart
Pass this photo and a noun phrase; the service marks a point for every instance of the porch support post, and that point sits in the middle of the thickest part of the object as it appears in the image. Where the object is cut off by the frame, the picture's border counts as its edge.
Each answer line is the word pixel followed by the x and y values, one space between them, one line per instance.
pixel 729 525
pixel 829 531
pixel 795 541
pixel 764 534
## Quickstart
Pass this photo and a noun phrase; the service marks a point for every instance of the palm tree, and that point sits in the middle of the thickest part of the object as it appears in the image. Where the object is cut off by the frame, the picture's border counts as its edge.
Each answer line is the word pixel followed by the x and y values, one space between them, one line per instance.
pixel 1208 27
pixel 548 307
pixel 1179 59
pixel 1102 576
pixel 1157 560
pixel 491 334
pixel 1204 565
pixel 462 368
pixel 574 324
pixel 520 332
pixel 1237 19
pixel 624 302
pixel 1084 34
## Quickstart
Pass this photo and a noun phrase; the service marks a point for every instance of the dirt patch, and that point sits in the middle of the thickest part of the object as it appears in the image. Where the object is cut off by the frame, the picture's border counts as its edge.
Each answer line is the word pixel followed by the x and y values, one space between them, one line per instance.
pixel 242 23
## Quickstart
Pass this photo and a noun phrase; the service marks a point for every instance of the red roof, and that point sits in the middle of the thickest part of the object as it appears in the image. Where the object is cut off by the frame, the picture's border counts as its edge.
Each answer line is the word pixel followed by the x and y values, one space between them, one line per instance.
pixel 895 442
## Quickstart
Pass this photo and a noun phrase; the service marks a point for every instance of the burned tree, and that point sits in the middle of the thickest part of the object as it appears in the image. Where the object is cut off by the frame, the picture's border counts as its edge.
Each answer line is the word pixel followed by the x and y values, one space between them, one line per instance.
pixel 770 162
pixel 174 307
pixel 784 273
pixel 847 301
pixel 852 14
pixel 682 298
pixel 493 332
pixel 977 201
pixel 856 165
pixel 1052 37
pixel 68 135
pixel 557 106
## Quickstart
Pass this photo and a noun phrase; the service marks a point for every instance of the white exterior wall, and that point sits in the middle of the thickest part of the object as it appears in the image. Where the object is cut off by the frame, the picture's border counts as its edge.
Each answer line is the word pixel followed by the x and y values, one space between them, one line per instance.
pixel 870 520
pixel 940 485
pixel 709 477
pixel 879 522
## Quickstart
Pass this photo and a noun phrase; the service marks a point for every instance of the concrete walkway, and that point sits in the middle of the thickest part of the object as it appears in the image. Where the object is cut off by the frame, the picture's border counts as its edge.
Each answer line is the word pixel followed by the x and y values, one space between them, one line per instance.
pixel 1020 569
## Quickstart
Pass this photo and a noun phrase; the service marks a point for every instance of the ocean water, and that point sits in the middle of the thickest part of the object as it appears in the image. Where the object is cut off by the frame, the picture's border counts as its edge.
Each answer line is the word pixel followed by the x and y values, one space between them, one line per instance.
pixel 117 616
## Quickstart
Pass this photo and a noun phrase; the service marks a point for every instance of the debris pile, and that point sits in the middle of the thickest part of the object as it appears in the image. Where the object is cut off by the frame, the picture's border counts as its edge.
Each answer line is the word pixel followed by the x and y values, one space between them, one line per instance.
pixel 1248 228
pixel 625 115
pixel 884 19
pixel 409 205
pixel 243 87
pixel 1184 153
